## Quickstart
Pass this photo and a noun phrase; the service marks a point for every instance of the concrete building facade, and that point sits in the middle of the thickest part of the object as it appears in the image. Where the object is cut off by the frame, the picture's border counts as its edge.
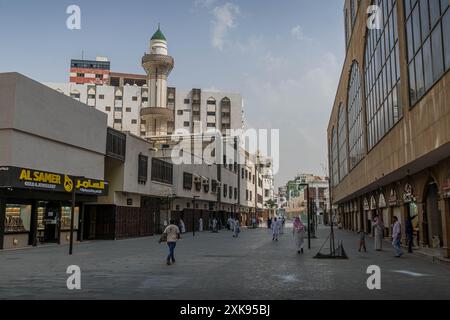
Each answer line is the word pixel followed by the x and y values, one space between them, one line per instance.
pixel 388 135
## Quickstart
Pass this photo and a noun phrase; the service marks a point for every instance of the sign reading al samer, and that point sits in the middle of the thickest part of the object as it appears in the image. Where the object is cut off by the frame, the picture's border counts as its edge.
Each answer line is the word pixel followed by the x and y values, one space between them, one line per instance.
pixel 21 178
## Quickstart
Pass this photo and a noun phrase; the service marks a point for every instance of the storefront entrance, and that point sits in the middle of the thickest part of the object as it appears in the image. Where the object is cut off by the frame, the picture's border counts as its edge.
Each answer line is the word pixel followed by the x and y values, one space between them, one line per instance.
pixel 49 216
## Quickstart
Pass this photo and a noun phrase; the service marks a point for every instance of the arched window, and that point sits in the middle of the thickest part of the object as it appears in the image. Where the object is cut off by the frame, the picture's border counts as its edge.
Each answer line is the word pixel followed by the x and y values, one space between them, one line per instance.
pixel 343 143
pixel 428 43
pixel 382 75
pixel 334 159
pixel 355 118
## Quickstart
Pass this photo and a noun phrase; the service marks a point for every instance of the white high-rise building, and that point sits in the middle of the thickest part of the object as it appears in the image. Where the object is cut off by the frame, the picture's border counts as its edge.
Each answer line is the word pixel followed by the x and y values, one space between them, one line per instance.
pixel 149 108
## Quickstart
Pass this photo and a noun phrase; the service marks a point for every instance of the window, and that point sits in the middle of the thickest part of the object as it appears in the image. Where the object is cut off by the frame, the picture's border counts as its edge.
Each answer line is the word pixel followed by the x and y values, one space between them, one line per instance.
pixel 134 98
pixel 246 195
pixel 127 109
pixel 211 125
pixel 108 109
pixel 427 33
pixel 134 121
pixel 211 114
pixel 187 181
pixel 17 218
pixel 144 99
pixel 243 173
pixel 80 75
pixel 230 192
pixel 342 140
pixel 142 169
pixel 235 193
pixel 382 77
pixel 101 97
pixel 180 112
pixel 187 124
pixel 119 98
pixel 118 121
pixel 225 191
pixel 355 118
pixel 334 158
pixel 91 96
pixel 75 95
pixel 117 109
pixel 162 171
pixel 187 101
pixel 99 76
pixel 214 186
pixel 115 144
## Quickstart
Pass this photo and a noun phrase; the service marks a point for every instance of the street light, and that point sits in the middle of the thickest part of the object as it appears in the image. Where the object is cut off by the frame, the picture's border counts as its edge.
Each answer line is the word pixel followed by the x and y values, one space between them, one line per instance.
pixel 308 206
pixel 193 215
pixel 72 215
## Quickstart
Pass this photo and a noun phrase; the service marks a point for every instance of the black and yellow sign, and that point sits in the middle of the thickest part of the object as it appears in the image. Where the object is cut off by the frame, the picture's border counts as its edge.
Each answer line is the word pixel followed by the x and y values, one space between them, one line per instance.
pixel 21 178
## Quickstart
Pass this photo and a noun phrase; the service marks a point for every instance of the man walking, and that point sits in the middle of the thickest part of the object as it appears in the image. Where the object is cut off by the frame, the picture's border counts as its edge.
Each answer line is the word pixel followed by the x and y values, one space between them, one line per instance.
pixel 236 228
pixel 396 237
pixel 172 234
pixel 276 227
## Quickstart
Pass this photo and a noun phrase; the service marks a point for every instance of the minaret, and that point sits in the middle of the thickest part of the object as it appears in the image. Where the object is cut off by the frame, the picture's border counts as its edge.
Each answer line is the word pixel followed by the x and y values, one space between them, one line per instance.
pixel 158 65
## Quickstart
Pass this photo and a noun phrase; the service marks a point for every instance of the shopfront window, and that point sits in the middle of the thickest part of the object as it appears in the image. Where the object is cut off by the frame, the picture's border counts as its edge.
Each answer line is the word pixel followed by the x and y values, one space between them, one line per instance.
pixel 66 213
pixel 17 218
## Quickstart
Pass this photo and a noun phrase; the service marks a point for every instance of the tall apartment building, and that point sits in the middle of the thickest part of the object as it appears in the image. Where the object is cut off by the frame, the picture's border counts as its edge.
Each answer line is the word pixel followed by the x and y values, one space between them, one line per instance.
pixel 389 133
pixel 143 104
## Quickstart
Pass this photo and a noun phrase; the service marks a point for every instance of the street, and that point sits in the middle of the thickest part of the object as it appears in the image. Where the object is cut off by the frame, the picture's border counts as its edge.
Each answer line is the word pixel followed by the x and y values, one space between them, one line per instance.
pixel 216 266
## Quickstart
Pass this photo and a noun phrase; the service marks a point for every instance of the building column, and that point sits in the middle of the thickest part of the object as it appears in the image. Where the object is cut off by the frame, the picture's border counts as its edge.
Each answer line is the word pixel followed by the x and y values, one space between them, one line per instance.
pixel 444 208
pixel 2 220
pixel 404 211
pixel 32 241
pixel 420 211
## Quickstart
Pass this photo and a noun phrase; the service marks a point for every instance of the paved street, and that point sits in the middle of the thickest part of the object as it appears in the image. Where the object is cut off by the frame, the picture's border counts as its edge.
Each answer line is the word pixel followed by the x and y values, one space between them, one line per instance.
pixel 216 266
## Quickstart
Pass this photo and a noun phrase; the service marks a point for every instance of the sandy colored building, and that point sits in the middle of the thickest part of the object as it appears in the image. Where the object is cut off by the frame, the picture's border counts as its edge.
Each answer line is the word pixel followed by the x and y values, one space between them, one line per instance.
pixel 389 130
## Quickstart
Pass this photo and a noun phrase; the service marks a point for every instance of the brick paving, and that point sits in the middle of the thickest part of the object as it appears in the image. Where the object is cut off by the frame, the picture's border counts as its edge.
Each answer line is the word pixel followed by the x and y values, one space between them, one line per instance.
pixel 216 266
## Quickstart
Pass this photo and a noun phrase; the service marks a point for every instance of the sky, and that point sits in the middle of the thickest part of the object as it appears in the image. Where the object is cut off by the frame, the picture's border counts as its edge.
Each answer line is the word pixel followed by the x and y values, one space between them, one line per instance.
pixel 283 56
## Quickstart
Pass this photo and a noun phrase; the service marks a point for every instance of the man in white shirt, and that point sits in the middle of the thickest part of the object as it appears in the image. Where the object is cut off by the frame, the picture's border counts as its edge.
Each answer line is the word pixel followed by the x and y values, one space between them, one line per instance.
pixel 173 234
pixel 397 237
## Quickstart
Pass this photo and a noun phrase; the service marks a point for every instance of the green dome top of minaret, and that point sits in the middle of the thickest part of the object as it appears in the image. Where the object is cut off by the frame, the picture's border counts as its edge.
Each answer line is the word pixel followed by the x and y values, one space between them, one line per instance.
pixel 159 35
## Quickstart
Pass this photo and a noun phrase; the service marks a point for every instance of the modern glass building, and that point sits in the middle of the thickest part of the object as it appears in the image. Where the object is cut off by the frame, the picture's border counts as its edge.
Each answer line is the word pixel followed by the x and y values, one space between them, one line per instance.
pixel 389 129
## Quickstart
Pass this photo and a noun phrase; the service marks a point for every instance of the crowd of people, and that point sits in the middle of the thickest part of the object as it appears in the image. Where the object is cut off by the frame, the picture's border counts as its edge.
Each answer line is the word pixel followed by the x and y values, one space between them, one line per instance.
pixel 276 225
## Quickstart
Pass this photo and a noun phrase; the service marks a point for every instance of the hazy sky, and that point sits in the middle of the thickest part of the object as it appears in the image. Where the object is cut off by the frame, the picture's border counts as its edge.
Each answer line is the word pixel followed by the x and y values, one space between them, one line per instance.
pixel 283 56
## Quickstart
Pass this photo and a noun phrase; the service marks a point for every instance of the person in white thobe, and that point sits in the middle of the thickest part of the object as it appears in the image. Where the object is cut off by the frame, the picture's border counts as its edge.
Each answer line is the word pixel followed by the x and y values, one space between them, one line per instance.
pixel 299 234
pixel 379 230
pixel 236 228
pixel 182 226
pixel 200 225
pixel 276 228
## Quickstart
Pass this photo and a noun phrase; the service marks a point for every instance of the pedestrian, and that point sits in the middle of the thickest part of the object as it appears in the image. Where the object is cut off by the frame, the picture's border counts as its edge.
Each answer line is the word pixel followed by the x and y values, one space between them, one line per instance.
pixel 200 225
pixel 214 225
pixel 182 226
pixel 232 223
pixel 269 223
pixel 276 228
pixel 379 230
pixel 397 237
pixel 172 235
pixel 299 234
pixel 409 230
pixel 236 228
pixel 362 240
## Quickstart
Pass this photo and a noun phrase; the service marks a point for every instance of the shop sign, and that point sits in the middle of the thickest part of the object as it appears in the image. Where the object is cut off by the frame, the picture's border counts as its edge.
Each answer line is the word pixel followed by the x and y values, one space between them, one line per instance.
pixel 373 203
pixel 382 201
pixel 366 205
pixel 393 199
pixel 408 195
pixel 21 178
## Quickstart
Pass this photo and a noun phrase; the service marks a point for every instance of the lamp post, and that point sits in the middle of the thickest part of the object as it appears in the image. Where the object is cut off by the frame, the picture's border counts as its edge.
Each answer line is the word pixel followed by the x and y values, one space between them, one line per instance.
pixel 308 206
pixel 193 215
pixel 72 214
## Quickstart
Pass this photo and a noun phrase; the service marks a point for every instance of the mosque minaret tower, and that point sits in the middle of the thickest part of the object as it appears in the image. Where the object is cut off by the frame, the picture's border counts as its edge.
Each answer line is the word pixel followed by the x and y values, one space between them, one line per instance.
pixel 158 65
